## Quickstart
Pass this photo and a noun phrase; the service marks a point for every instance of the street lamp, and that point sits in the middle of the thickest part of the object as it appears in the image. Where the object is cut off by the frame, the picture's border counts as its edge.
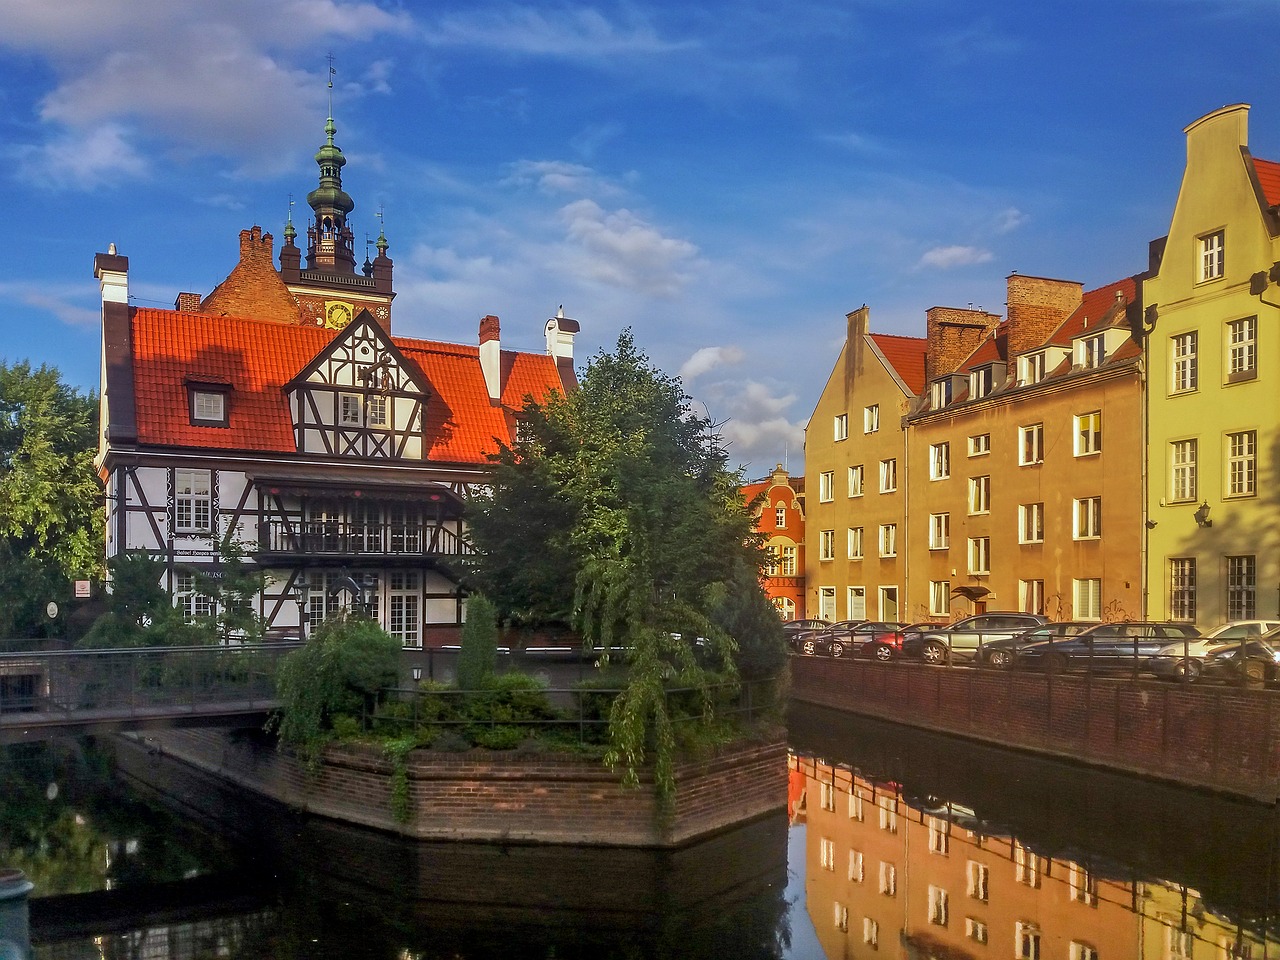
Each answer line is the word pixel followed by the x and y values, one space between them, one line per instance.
pixel 1202 515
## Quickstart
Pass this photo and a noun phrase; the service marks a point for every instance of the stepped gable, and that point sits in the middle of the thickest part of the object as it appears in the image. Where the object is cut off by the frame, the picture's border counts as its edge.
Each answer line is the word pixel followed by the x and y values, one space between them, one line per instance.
pixel 253 288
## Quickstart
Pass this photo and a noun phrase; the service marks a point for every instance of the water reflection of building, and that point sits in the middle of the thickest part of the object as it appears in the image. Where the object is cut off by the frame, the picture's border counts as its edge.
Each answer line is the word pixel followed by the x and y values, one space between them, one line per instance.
pixel 888 875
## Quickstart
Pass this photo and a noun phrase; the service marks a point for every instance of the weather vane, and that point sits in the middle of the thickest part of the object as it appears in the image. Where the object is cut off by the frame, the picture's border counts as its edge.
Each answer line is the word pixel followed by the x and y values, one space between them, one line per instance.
pixel 332 74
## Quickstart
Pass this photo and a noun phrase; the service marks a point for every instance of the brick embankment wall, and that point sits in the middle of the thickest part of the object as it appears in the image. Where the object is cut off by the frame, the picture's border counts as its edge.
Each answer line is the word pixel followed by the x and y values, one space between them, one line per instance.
pixel 481 795
pixel 1215 737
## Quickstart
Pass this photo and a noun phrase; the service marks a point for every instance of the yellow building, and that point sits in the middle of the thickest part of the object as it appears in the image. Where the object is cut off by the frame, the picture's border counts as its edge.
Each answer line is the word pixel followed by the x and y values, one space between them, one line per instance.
pixel 856 475
pixel 1213 346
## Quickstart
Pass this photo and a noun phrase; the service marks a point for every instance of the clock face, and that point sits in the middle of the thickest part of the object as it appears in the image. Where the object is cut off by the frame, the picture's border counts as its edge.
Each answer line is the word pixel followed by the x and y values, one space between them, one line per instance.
pixel 337 315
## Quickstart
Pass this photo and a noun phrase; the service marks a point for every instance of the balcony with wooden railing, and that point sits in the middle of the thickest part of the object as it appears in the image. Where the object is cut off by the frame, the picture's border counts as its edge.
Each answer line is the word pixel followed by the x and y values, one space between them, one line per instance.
pixel 284 540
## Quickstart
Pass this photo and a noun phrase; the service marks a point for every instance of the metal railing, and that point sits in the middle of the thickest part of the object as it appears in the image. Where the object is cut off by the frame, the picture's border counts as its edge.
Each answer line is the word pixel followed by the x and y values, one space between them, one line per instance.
pixel 84 685
pixel 345 538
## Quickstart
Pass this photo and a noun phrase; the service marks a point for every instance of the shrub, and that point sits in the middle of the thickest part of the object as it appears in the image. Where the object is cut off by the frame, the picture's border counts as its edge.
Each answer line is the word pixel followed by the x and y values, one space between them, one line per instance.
pixel 478 657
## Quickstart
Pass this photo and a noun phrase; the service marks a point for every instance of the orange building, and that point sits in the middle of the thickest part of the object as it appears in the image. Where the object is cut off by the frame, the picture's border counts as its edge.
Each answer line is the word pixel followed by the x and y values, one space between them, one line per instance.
pixel 777 502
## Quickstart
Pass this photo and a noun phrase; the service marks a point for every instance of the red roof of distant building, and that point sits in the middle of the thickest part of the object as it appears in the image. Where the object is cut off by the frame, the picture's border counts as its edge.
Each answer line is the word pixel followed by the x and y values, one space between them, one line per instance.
pixel 906 355
pixel 257 358
pixel 1269 178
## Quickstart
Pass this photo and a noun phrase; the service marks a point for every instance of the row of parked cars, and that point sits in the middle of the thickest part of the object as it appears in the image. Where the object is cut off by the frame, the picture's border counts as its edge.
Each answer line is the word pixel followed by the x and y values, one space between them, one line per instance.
pixel 1248 649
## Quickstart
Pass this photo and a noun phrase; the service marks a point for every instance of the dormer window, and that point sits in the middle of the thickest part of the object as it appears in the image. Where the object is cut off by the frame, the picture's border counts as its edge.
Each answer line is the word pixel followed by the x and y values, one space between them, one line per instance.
pixel 1031 368
pixel 940 393
pixel 1091 351
pixel 981 382
pixel 207 404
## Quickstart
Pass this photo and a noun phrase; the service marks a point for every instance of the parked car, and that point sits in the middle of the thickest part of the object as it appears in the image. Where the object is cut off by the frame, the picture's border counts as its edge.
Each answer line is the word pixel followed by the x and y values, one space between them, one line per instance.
pixel 859 637
pixel 964 638
pixel 1105 647
pixel 796 630
pixel 1004 653
pixel 1256 661
pixel 1182 658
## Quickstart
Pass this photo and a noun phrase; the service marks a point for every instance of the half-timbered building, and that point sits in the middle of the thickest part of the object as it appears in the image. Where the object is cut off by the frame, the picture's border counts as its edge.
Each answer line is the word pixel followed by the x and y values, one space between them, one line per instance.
pixel 281 413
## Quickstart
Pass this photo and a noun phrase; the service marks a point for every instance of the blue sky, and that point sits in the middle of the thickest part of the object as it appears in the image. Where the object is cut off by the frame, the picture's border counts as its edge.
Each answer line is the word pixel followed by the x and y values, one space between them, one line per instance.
pixel 728 179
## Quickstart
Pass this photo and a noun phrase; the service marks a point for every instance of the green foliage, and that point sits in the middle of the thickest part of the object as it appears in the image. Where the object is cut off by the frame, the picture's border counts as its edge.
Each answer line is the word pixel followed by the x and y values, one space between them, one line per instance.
pixel 397 751
pixel 615 511
pixel 479 655
pixel 233 591
pixel 50 497
pixel 343 669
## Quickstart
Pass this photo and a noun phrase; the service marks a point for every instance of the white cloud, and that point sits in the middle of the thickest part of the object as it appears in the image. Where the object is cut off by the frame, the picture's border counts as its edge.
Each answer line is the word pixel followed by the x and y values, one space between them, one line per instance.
pixel 945 258
pixel 82 159
pixel 59 303
pixel 757 428
pixel 708 358
pixel 560 177
pixel 578 34
pixel 620 249
pixel 1010 219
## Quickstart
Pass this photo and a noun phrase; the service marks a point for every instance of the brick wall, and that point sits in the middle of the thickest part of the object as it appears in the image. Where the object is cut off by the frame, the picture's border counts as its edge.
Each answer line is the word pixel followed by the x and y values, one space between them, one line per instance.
pixel 1035 307
pixel 953 333
pixel 253 288
pixel 1221 738
pixel 478 795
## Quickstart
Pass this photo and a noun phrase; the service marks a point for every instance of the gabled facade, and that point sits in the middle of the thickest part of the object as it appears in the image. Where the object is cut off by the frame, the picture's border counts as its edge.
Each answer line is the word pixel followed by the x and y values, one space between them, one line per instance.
pixel 1214 385
pixel 855 452
pixel 339 456
pixel 777 503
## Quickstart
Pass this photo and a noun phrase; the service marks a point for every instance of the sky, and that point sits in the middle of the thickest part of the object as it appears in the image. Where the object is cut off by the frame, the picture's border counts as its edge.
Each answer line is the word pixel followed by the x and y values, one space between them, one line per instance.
pixel 727 179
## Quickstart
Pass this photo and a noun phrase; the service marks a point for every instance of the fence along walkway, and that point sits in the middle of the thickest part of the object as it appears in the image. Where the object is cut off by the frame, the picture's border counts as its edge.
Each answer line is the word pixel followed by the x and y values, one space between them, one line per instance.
pixel 134 687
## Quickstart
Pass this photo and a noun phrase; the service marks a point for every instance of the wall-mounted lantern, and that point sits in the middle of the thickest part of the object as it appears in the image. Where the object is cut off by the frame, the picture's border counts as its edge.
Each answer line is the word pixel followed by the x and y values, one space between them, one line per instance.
pixel 1202 515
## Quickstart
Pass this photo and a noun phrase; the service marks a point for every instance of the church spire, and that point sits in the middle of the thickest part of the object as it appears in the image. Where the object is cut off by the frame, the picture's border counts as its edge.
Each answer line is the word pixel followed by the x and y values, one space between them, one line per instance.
pixel 330 241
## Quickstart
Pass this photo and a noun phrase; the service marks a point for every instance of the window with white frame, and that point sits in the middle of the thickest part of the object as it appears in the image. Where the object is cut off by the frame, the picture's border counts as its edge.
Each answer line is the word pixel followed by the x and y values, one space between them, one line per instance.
pixel 841 916
pixel 981 382
pixel 888 603
pixel 1083 885
pixel 1082 951
pixel 1182 475
pixel 377 411
pixel 1178 942
pixel 786 607
pixel 1088 518
pixel 939 906
pixel 1242 348
pixel 856 602
pixel 939 598
pixel 192 500
pixel 1031 368
pixel 350 408
pixel 1026 940
pixel 888 807
pixel 827 603
pixel 1086 598
pixel 978 877
pixel 1088 434
pixel 979 555
pixel 209 406
pixel 888 475
pixel 856 810
pixel 780 517
pixel 939 461
pixel 1031 444
pixel 788 565
pixel 975 929
pixel 871 418
pixel 826 486
pixel 939 836
pixel 888 879
pixel 1182 588
pixel 189 599
pixel 870 932
pixel 855 481
pixel 1026 866
pixel 1242 463
pixel 1031 523
pixel 979 444
pixel 1031 596
pixel 827 545
pixel 939 393
pixel 404 593
pixel 888 539
pixel 979 495
pixel 841 427
pixel 939 531
pixel 827 800
pixel 1185 372
pixel 827 853
pixel 1242 587
pixel 1092 351
pixel 1212 250
pixel 855 543
pixel 857 872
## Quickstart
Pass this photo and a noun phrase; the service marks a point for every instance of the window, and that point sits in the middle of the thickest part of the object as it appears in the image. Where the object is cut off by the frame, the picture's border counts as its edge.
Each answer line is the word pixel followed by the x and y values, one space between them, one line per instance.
pixel 888 879
pixel 827 800
pixel 1082 951
pixel 841 429
pixel 209 407
pixel 979 877
pixel 981 382
pixel 1031 444
pixel 856 602
pixel 888 539
pixel 979 554
pixel 1033 367
pixel 1242 463
pixel 855 481
pixel 1177 943
pixel 939 393
pixel 1031 596
pixel 349 409
pixel 1185 371
pixel 1089 434
pixel 1212 249
pixel 979 495
pixel 871 418
pixel 1027 941
pixel 939 531
pixel 780 517
pixel 841 917
pixel 939 598
pixel 1084 885
pixel 191 601
pixel 1088 518
pixel 888 603
pixel 1093 351
pixel 786 607
pixel 1026 866
pixel 827 603
pixel 857 873
pixel 888 475
pixel 1242 595
pixel 870 932
pixel 827 545
pixel 975 930
pixel 939 906
pixel 788 562
pixel 855 543
pixel 939 461
pixel 377 411
pixel 855 807
pixel 827 853
pixel 939 836
pixel 1087 599
pixel 403 619
pixel 979 444
pixel 1182 588
pixel 192 500
pixel 1242 349
pixel 826 486
pixel 1182 455
pixel 1031 523
pixel 888 807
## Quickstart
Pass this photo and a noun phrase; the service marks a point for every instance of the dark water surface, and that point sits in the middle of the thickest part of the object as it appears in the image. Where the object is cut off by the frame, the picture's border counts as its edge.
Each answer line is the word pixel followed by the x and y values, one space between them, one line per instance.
pixel 897 843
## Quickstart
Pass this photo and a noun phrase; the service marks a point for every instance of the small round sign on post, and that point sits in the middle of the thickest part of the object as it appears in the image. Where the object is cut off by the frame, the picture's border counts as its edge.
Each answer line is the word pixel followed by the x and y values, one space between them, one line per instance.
pixel 52 610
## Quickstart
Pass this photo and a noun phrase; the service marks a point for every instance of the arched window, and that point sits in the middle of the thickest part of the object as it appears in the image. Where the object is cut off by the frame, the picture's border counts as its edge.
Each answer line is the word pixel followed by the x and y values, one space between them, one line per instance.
pixel 786 607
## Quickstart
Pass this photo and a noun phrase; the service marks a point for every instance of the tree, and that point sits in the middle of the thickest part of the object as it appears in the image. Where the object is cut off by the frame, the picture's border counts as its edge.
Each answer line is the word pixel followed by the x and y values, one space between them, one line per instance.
pixel 478 658
pixel 50 497
pixel 615 511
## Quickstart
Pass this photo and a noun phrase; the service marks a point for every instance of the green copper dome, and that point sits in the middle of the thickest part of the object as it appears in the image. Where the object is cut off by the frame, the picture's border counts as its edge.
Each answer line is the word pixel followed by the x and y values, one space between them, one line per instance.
pixel 329 195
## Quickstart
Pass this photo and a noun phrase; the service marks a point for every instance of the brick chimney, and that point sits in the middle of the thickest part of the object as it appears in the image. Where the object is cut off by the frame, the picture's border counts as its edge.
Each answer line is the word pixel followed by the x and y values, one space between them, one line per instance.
pixel 187 303
pixel 560 331
pixel 953 334
pixel 491 357
pixel 253 288
pixel 1036 307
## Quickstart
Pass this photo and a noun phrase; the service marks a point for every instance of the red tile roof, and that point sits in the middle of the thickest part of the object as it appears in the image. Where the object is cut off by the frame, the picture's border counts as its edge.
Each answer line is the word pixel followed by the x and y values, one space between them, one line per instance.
pixel 257 358
pixel 1269 178
pixel 1095 307
pixel 906 355
pixel 993 348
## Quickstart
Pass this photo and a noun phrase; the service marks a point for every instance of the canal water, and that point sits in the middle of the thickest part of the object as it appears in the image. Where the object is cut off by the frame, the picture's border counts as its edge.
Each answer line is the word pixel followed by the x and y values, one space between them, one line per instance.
pixel 895 843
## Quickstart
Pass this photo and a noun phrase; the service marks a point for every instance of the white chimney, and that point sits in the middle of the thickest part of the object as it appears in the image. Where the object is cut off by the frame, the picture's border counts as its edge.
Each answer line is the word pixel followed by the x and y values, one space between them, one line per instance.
pixel 560 333
pixel 491 357
pixel 112 271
